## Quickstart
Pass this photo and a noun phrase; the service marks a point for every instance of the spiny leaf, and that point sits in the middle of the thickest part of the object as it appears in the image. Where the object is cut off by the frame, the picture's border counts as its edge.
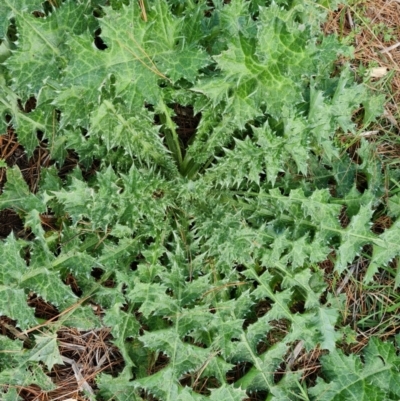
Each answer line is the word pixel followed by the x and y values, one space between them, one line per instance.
pixel 13 300
pixel 82 318
pixel 137 134
pixel 385 251
pixel 123 326
pixel 46 351
pixel 356 235
pixel 184 357
pixel 16 8
pixel 11 395
pixel 117 388
pixel 347 377
pixel 49 286
pixel 13 265
pixel 17 195
pixel 13 304
pixel 27 375
pixel 26 124
pixel 260 376
pixel 153 299
pixel 228 393
pixel 39 52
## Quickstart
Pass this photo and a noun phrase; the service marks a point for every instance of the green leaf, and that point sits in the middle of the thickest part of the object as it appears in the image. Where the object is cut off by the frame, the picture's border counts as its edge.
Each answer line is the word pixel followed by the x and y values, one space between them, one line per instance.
pixel 11 395
pixel 49 286
pixel 170 389
pixel 123 326
pixel 189 395
pixel 394 205
pixel 260 376
pixel 25 376
pixel 117 388
pixel 13 304
pixel 82 318
pixel 42 41
pixel 17 371
pixel 16 8
pixel 16 194
pixel 177 57
pixel 13 265
pixel 324 321
pixel 26 123
pixel 348 378
pixel 137 51
pixel 46 351
pixel 354 237
pixel 153 299
pixel 185 357
pixel 384 252
pixel 264 74
pixel 16 277
pixel 228 393
pixel 319 208
pixel 287 388
pixel 10 352
pixel 137 134
pixel 76 199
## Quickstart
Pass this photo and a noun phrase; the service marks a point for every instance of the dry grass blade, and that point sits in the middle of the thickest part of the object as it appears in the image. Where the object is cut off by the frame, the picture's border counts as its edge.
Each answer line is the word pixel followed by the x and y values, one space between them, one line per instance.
pixel 143 9
pixel 390 48
pixel 295 353
pixel 82 383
